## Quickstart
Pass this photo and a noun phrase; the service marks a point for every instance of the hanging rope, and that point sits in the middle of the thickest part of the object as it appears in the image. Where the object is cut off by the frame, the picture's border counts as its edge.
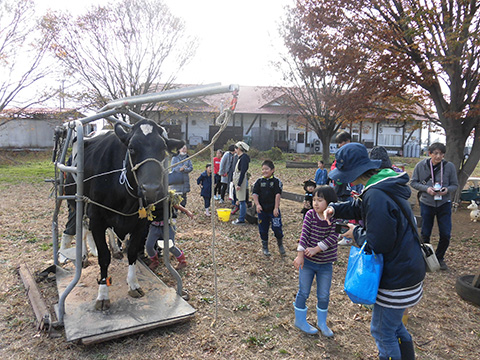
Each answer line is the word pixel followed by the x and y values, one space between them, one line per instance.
pixel 215 277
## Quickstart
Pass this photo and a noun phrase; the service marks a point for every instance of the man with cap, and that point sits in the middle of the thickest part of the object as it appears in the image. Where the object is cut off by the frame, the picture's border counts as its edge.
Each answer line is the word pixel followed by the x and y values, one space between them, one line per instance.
pixel 240 180
pixel 389 233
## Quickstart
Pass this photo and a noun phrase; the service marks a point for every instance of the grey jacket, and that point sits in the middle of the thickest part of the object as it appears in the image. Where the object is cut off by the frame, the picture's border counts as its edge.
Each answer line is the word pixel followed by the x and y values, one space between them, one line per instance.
pixel 422 180
pixel 188 167
pixel 225 165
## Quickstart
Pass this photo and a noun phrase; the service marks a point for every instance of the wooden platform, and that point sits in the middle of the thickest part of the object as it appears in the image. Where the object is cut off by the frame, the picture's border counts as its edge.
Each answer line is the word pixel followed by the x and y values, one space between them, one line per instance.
pixel 301 165
pixel 159 307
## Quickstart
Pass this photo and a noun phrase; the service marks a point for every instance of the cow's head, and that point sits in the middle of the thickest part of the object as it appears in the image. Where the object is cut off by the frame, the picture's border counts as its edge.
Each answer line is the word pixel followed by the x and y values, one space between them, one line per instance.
pixel 147 145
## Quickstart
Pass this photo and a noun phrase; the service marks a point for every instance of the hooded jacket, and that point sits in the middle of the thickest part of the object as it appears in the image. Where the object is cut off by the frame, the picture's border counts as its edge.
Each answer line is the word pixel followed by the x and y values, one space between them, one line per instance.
pixel 386 230
pixel 183 187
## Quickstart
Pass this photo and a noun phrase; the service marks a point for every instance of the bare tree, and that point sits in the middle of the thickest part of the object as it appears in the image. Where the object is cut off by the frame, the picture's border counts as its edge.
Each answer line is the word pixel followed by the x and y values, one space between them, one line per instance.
pixel 332 81
pixel 128 48
pixel 22 53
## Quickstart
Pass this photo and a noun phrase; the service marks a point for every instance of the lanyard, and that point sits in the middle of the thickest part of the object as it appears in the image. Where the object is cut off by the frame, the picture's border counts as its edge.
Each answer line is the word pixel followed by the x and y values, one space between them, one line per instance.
pixel 441 173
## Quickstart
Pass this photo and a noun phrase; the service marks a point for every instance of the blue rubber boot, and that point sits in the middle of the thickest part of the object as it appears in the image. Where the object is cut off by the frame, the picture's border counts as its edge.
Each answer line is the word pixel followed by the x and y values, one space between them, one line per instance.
pixel 322 322
pixel 301 321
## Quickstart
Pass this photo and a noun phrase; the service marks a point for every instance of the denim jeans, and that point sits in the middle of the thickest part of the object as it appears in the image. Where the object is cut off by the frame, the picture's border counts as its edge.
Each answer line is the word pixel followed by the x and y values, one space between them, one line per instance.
pixel 156 233
pixel 264 221
pixel 243 211
pixel 323 272
pixel 444 220
pixel 387 328
pixel 206 201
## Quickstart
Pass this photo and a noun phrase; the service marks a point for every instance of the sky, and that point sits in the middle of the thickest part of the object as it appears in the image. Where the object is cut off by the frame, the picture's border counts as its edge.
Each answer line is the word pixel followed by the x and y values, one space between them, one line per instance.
pixel 237 39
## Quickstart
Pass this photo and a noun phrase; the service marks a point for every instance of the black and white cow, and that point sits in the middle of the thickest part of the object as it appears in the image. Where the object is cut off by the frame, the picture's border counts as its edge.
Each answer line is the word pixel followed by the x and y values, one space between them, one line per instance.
pixel 141 151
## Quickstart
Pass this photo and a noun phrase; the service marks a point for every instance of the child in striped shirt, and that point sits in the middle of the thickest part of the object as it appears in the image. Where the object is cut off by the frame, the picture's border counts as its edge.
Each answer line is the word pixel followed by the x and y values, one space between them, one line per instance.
pixel 317 250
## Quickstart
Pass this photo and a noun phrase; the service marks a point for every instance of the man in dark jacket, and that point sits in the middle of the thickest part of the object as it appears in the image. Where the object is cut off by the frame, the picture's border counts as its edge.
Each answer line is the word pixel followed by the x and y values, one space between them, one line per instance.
pixel 386 231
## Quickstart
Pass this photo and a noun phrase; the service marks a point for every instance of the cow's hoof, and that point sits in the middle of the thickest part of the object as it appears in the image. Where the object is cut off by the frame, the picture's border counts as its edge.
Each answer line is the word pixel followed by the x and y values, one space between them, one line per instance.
pixel 118 255
pixel 137 293
pixel 102 305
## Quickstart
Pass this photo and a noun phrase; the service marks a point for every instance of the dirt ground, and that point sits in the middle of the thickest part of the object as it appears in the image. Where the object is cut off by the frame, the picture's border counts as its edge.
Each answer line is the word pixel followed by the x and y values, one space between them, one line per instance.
pixel 249 313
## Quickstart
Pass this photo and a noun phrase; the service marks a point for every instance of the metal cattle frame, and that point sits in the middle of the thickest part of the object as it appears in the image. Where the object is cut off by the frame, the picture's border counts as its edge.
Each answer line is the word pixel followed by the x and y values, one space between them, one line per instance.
pixel 164 306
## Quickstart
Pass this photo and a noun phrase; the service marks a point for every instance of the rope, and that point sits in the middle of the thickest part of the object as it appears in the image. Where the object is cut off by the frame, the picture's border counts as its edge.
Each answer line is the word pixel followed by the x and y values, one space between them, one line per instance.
pixel 88 200
pixel 215 278
pixel 226 115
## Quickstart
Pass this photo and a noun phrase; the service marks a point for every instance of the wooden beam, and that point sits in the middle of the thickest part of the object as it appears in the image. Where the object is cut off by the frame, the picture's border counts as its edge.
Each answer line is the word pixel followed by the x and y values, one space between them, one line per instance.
pixel 251 125
pixel 38 304
pixel 301 164
pixel 292 196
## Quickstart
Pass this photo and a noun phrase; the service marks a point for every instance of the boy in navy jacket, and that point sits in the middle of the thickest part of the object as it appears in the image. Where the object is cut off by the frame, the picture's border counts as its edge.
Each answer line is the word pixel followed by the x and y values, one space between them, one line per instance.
pixel 205 182
pixel 267 192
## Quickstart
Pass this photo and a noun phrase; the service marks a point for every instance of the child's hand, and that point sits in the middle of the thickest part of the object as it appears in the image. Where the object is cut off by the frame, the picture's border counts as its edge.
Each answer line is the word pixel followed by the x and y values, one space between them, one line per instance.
pixel 189 214
pixel 311 251
pixel 298 262
pixel 327 214
pixel 259 209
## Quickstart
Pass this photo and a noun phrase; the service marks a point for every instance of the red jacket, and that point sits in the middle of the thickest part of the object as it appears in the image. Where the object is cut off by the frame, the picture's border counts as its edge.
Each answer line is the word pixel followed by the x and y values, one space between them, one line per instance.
pixel 216 164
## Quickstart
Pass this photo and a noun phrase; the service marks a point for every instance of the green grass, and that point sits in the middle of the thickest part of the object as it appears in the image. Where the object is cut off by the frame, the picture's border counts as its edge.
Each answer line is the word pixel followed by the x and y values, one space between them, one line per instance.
pixel 29 167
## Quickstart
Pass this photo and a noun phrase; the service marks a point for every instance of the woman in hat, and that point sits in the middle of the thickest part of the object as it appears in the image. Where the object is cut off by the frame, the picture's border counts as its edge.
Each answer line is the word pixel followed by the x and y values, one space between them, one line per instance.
pixel 240 180
pixel 386 231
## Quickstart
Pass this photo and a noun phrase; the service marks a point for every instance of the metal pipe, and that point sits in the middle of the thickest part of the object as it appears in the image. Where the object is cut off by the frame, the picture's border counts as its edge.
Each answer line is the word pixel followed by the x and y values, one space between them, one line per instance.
pixel 166 234
pixel 65 168
pixel 73 124
pixel 79 218
pixel 67 197
pixel 174 94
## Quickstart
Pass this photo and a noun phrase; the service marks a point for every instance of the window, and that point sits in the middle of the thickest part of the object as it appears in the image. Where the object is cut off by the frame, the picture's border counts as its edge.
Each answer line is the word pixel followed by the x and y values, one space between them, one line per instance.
pixel 301 138
pixel 389 140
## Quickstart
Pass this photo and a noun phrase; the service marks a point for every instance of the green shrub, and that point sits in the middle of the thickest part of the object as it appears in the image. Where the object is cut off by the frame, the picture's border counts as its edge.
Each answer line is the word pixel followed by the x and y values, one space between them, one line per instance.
pixel 253 153
pixel 203 156
pixel 228 143
pixel 274 154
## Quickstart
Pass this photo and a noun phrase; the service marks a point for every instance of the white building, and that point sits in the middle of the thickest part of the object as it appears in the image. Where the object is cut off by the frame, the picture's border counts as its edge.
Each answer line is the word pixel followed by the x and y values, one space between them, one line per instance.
pixel 263 120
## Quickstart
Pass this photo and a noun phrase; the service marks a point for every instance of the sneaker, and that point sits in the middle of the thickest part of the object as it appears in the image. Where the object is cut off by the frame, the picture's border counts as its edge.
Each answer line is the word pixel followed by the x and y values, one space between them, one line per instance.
pixel 235 210
pixel 443 266
pixel 345 241
pixel 221 201
pixel 236 222
pixel 207 212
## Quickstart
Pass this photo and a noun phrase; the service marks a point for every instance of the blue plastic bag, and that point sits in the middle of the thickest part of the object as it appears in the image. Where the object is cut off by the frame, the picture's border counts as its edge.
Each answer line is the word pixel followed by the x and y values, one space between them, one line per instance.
pixel 364 272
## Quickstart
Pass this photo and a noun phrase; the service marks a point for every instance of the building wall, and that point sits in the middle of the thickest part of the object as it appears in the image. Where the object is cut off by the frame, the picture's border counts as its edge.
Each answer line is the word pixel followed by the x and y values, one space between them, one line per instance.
pixel 267 130
pixel 27 133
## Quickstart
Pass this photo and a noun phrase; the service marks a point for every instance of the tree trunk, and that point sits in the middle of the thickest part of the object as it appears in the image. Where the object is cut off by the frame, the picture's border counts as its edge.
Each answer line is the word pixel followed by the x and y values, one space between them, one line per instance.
pixel 456 140
pixel 326 150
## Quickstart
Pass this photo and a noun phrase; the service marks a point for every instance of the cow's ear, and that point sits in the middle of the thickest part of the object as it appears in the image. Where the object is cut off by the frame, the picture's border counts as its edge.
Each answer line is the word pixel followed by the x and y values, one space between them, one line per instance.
pixel 121 133
pixel 174 144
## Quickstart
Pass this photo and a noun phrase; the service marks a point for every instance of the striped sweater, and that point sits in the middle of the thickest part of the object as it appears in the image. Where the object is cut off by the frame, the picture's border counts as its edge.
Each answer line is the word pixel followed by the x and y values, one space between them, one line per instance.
pixel 401 298
pixel 316 231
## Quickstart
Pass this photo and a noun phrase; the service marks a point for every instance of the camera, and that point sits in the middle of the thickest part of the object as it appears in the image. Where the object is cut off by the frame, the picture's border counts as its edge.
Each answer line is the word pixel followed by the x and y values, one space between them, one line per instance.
pixel 341 228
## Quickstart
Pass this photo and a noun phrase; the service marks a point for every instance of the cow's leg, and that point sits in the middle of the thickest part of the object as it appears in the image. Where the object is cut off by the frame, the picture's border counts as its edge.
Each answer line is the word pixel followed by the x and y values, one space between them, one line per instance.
pixel 98 232
pixel 136 241
pixel 112 240
pixel 88 240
